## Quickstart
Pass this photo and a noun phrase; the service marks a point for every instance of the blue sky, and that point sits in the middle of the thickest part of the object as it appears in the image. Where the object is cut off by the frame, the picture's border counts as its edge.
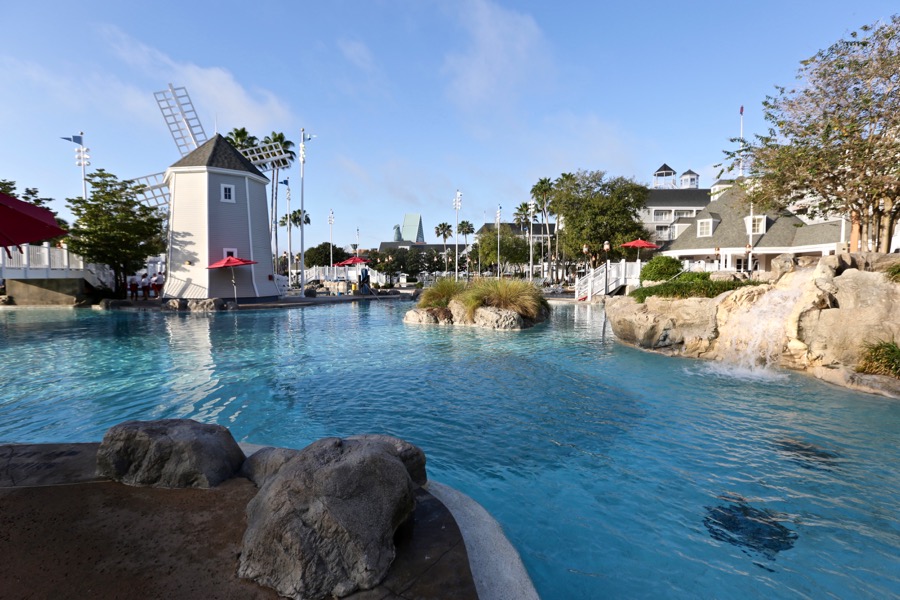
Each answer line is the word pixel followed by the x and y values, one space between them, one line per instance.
pixel 410 99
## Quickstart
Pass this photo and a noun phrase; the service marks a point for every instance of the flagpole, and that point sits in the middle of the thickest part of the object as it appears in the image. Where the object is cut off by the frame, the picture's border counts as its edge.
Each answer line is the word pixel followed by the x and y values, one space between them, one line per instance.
pixel 742 142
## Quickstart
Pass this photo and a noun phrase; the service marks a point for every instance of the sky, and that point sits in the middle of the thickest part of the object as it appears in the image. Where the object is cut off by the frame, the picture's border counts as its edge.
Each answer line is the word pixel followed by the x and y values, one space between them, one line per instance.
pixel 409 100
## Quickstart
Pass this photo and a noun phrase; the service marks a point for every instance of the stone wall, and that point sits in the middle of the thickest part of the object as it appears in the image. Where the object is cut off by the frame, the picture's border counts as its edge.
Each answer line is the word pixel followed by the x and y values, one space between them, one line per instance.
pixel 46 292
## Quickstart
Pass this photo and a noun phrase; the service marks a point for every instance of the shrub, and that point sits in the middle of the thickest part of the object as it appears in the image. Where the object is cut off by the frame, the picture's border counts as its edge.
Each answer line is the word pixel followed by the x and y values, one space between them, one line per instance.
pixel 419 285
pixel 880 358
pixel 692 276
pixel 893 272
pixel 661 268
pixel 517 295
pixel 439 295
pixel 699 288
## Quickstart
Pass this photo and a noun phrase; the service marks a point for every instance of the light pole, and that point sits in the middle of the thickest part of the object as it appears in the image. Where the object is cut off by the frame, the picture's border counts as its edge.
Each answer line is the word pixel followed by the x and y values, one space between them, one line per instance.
pixel 606 270
pixel 82 159
pixel 457 203
pixel 287 184
pixel 499 208
pixel 331 242
pixel 531 207
pixel 357 242
pixel 304 137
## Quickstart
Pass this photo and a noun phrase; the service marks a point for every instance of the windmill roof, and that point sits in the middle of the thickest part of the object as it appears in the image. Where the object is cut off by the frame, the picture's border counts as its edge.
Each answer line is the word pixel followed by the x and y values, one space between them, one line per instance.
pixel 219 153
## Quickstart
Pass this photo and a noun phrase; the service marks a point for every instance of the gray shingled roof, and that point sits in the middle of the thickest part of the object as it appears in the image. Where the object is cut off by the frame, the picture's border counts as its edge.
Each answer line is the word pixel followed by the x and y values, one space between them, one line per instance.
pixel 219 153
pixel 782 228
pixel 664 169
pixel 687 197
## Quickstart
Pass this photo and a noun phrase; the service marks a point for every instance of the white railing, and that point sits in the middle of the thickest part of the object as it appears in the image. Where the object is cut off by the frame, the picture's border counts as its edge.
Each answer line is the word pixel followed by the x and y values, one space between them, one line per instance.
pixel 607 278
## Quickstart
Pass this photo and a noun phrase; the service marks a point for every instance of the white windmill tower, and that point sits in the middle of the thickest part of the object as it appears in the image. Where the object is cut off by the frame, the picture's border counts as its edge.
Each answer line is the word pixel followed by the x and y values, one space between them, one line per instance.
pixel 217 207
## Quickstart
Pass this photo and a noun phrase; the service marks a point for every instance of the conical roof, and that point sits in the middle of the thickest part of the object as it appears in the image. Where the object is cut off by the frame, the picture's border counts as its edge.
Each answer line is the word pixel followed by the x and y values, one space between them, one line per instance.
pixel 218 152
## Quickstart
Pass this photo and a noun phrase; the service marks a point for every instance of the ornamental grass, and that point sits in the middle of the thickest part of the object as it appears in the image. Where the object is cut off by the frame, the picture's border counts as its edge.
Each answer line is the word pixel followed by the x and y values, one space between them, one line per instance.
pixel 517 295
pixel 880 358
pixel 440 294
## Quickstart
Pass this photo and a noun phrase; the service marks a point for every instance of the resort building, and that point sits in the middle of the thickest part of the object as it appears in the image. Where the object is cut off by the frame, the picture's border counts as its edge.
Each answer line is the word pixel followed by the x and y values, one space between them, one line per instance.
pixel 729 235
pixel 669 201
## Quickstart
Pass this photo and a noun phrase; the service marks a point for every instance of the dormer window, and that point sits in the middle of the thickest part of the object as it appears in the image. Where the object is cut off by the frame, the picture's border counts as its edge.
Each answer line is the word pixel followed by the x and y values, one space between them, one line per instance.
pixel 227 193
pixel 755 225
pixel 704 228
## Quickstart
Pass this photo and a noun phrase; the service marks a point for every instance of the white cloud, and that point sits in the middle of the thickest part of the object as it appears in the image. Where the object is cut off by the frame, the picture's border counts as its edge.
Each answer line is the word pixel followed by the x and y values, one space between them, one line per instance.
pixel 357 54
pixel 504 50
pixel 216 94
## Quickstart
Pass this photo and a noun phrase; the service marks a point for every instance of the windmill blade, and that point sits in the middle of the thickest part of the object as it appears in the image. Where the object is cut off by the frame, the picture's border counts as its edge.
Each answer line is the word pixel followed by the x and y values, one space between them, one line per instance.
pixel 181 118
pixel 155 193
pixel 267 156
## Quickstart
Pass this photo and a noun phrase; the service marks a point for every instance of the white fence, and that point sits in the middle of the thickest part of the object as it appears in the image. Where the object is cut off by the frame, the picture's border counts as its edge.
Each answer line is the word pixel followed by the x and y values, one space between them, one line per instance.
pixel 44 262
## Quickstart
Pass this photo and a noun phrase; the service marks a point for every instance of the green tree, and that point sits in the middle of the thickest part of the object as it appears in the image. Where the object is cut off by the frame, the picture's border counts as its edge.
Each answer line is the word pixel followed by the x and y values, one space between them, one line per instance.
pixel 444 231
pixel 833 141
pixel 513 248
pixel 597 209
pixel 465 229
pixel 320 256
pixel 542 194
pixel 241 139
pixel 523 216
pixel 114 228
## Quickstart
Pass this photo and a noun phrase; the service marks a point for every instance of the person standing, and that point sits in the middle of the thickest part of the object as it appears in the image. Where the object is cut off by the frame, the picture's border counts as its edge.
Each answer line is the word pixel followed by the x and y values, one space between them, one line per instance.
pixel 160 283
pixel 145 286
pixel 133 286
pixel 154 284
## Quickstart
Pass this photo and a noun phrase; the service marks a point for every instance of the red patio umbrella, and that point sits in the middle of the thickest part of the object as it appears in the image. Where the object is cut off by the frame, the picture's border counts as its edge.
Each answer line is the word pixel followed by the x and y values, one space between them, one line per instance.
pixel 231 262
pixel 353 260
pixel 23 223
pixel 639 243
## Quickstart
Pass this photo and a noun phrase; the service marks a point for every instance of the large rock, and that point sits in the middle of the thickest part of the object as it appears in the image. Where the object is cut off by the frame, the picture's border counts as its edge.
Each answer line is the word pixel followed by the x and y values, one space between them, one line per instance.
pixel 441 316
pixel 171 453
pixel 816 318
pixel 490 317
pixel 323 523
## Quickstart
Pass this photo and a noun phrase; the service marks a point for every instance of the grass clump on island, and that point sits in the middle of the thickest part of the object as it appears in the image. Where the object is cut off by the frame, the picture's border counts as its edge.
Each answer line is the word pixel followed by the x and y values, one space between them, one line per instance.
pixel 880 358
pixel 517 295
pixel 893 273
pixel 689 285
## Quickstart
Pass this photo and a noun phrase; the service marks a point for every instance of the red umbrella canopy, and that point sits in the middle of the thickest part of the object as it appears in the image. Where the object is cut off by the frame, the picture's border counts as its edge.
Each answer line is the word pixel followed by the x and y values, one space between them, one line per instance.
pixel 22 223
pixel 353 260
pixel 231 261
pixel 639 243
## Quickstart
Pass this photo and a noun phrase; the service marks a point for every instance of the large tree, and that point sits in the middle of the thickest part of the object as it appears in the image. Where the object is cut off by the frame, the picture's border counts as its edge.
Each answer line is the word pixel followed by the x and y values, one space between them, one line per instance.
pixel 513 248
pixel 240 138
pixel 597 209
pixel 320 256
pixel 833 143
pixel 542 194
pixel 114 228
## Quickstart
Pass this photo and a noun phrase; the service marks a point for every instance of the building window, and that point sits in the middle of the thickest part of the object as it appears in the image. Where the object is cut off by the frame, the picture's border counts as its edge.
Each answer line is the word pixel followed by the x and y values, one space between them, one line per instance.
pixel 758 225
pixel 227 193
pixel 683 213
pixel 226 252
pixel 662 215
pixel 704 228
pixel 662 232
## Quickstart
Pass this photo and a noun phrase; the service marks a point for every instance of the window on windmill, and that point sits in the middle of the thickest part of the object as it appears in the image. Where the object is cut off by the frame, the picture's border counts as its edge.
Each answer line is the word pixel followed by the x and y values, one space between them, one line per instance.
pixel 227 193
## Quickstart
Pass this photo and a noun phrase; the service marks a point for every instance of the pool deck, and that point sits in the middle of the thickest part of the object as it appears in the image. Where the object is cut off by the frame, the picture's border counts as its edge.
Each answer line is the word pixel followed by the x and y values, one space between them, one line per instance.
pixel 65 532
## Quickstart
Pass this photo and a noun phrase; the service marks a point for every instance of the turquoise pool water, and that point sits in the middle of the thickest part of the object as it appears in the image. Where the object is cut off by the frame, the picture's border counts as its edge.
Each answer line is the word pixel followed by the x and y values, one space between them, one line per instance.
pixel 615 473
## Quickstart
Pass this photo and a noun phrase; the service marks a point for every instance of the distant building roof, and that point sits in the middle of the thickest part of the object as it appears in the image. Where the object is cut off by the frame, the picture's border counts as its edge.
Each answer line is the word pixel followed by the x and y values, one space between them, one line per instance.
pixel 412 228
pixel 664 171
pixel 674 197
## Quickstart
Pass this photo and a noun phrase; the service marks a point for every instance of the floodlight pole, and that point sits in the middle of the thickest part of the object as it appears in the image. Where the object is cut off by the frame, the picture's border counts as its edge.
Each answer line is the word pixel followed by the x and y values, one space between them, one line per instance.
pixel 357 242
pixel 457 203
pixel 286 183
pixel 331 242
pixel 304 137
pixel 531 208
pixel 82 159
pixel 499 208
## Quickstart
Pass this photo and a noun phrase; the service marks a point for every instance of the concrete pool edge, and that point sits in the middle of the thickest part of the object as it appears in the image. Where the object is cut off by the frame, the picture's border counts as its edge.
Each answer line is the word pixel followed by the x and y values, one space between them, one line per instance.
pixel 496 565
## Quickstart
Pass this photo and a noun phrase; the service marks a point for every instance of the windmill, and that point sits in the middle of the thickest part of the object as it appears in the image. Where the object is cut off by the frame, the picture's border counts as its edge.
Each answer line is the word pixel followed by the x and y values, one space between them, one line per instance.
pixel 187 132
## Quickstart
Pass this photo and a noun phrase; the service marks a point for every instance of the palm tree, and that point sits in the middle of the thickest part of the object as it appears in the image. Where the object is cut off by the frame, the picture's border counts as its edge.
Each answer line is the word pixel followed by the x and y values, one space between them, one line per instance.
pixel 465 228
pixel 522 216
pixel 241 139
pixel 443 231
pixel 540 193
pixel 286 145
pixel 296 218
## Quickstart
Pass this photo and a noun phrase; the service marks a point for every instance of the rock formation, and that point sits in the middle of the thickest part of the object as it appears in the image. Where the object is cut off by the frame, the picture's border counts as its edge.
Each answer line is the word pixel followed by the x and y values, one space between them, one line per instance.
pixel 170 453
pixel 324 519
pixel 812 317
pixel 486 317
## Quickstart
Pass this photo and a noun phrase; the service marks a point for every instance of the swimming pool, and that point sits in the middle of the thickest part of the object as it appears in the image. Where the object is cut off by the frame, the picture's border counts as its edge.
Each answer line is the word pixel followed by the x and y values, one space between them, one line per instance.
pixel 615 473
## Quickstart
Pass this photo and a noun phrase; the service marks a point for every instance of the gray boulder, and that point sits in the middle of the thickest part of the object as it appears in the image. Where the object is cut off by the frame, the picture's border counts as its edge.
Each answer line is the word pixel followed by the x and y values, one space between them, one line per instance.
pixel 323 524
pixel 498 318
pixel 170 453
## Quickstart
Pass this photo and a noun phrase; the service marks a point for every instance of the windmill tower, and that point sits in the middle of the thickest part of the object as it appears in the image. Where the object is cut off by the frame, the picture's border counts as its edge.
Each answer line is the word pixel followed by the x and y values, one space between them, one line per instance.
pixel 217 206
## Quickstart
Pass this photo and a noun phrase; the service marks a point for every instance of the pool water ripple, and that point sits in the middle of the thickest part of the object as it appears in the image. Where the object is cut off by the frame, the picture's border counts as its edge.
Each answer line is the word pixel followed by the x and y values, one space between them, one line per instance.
pixel 616 473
